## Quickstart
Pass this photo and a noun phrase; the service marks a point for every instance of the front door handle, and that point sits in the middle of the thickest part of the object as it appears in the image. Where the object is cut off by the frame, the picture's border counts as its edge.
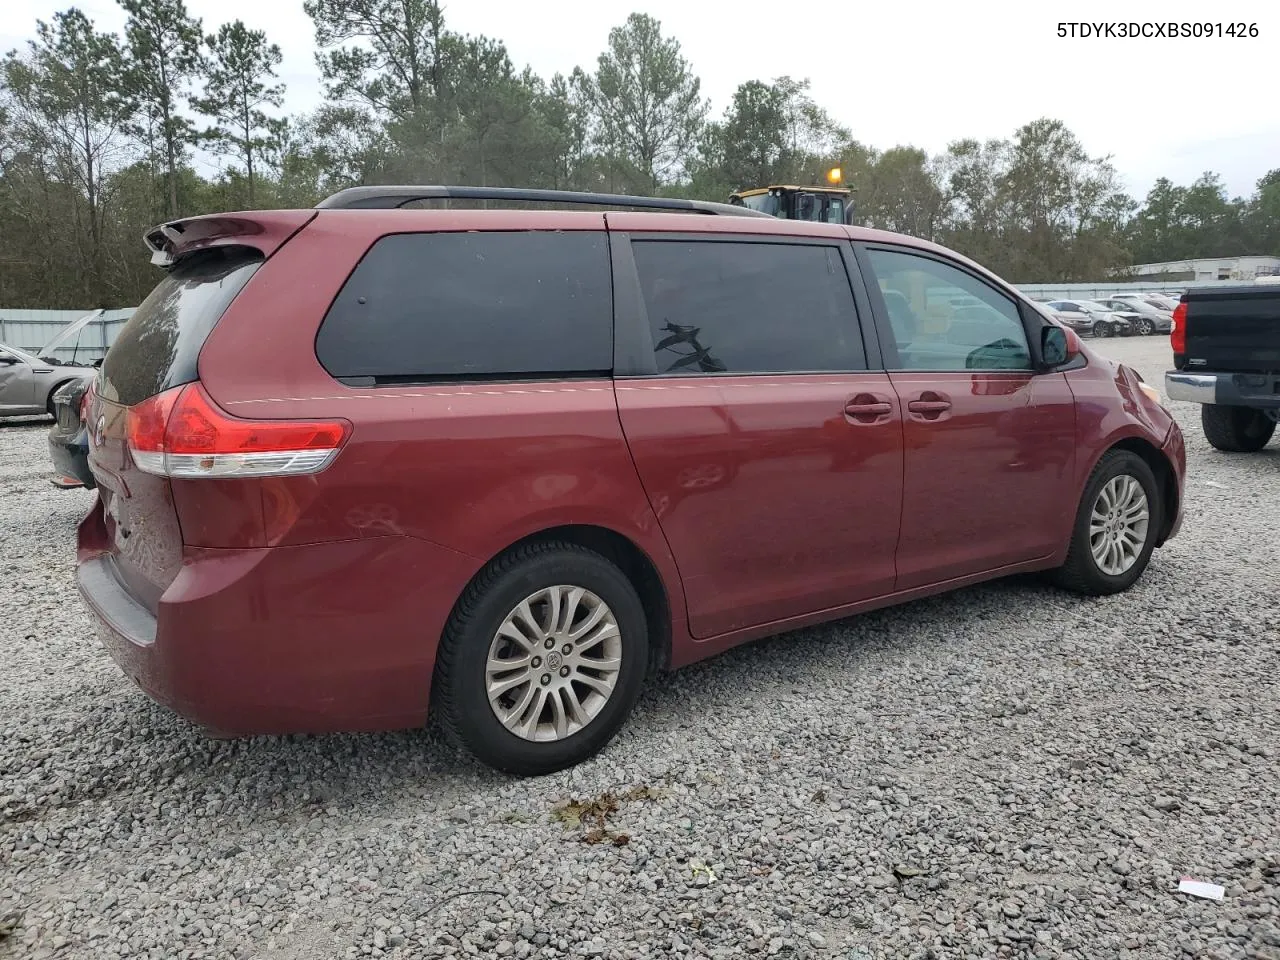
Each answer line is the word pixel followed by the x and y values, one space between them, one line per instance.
pixel 867 408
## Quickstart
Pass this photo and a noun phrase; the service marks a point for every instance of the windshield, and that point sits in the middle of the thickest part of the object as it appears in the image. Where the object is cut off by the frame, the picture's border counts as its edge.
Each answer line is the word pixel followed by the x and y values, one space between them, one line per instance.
pixel 160 344
pixel 819 208
pixel 764 202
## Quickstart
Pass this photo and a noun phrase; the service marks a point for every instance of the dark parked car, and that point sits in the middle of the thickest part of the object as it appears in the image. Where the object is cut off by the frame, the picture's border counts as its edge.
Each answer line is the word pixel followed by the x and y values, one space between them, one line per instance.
pixel 507 462
pixel 69 437
pixel 1093 319
pixel 1226 357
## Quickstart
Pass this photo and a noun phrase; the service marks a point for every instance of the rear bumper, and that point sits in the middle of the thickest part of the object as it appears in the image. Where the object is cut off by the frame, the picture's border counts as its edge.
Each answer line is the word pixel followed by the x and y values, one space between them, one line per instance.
pixel 305 639
pixel 1231 389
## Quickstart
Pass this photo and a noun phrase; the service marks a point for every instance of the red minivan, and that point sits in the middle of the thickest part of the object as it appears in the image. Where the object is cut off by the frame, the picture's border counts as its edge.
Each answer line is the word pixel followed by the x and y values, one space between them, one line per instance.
pixel 358 460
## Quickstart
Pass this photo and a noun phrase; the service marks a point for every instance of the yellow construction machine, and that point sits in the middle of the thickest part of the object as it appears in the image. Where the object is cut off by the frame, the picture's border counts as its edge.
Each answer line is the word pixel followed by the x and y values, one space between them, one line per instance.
pixel 829 203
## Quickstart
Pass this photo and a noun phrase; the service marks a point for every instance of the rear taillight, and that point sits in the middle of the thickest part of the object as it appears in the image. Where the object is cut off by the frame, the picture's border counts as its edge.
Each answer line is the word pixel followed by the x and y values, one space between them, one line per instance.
pixel 86 400
pixel 181 433
pixel 1178 332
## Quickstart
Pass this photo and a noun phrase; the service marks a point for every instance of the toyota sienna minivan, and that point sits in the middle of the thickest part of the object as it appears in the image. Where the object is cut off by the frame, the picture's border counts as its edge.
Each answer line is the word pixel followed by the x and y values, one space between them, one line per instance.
pixel 360 462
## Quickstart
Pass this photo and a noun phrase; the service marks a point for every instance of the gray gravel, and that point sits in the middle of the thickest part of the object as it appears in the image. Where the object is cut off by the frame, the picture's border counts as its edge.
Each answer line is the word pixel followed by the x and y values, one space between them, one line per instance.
pixel 1003 772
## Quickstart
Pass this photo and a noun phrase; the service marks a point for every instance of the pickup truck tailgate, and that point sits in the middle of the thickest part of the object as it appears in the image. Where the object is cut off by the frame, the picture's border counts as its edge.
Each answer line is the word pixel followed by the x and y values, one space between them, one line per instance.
pixel 1236 329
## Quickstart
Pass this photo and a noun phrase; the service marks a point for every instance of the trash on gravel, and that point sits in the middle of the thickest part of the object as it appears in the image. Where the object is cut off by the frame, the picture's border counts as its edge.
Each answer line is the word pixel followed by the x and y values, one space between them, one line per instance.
pixel 1198 888
pixel 592 815
pixel 701 869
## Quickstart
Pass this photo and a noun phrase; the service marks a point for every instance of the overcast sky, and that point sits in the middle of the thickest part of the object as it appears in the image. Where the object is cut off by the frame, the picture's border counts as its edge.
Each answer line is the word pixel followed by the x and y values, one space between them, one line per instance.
pixel 920 73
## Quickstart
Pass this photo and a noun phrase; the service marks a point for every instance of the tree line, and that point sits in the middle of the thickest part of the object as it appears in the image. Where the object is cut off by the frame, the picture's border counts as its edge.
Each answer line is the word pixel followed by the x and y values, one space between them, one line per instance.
pixel 103 135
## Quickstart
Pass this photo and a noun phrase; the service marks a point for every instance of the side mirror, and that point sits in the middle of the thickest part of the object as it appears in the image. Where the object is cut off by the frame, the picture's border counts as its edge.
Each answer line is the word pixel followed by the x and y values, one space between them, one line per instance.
pixel 1054 347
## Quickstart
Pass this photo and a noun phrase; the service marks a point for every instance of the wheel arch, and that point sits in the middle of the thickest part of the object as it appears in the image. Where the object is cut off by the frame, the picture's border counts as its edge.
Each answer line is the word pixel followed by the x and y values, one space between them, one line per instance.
pixel 1164 473
pixel 629 557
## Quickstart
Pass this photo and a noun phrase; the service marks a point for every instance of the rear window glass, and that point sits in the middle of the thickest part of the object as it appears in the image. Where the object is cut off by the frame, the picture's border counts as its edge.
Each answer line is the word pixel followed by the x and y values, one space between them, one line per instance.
pixel 160 344
pixel 473 306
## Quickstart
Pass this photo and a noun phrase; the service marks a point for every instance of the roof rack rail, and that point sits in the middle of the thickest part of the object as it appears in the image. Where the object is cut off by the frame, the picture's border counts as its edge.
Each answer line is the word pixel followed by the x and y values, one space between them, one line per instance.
pixel 393 197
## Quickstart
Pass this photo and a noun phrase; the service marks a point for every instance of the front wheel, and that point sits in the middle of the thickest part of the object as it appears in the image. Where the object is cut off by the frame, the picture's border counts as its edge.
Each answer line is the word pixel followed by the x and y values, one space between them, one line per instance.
pixel 1102 330
pixel 1116 527
pixel 542 660
pixel 1236 429
pixel 1145 327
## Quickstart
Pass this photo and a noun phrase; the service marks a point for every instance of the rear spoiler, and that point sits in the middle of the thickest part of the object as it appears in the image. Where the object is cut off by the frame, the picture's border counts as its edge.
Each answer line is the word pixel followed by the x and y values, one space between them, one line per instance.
pixel 264 231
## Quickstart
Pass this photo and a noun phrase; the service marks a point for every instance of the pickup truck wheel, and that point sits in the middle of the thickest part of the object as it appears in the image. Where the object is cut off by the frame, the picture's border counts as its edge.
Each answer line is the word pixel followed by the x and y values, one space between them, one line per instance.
pixel 1236 429
pixel 542 660
pixel 1116 527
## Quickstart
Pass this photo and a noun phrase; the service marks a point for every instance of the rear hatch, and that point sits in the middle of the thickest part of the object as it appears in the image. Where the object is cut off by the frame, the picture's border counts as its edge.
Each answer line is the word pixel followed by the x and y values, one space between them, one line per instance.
pixel 1233 329
pixel 157 350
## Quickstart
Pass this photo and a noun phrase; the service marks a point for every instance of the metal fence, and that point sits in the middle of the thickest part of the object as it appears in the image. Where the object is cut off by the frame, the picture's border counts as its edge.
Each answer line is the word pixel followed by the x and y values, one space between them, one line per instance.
pixel 1094 291
pixel 29 330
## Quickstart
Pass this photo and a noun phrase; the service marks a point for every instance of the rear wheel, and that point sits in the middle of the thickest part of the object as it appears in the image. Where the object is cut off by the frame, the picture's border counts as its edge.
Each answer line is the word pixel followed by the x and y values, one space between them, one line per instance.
pixel 1236 429
pixel 1116 527
pixel 542 660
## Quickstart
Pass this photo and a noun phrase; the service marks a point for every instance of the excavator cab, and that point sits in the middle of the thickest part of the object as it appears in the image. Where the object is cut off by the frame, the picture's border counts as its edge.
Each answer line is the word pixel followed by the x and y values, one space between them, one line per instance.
pixel 818 204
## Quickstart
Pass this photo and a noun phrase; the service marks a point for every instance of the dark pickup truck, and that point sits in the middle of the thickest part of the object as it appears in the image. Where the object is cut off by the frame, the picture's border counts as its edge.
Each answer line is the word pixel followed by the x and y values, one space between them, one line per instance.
pixel 1226 356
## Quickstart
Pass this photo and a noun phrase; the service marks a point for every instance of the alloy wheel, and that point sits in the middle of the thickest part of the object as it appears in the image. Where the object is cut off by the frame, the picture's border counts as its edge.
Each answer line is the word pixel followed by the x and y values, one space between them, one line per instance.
pixel 553 663
pixel 1118 525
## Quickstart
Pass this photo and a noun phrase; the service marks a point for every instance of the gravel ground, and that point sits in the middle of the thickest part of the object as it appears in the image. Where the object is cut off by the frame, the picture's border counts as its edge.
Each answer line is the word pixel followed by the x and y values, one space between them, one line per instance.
pixel 1003 772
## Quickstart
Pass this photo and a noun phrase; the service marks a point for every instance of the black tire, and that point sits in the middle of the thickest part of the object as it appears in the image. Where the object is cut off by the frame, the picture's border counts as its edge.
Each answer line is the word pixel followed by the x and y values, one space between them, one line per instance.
pixel 1081 573
pixel 1145 327
pixel 458 693
pixel 1236 429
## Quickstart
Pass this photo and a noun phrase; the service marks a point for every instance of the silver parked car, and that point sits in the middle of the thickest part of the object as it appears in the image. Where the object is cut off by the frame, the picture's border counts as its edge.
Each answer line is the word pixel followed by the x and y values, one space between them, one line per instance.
pixel 27 383
pixel 1152 319
pixel 1165 301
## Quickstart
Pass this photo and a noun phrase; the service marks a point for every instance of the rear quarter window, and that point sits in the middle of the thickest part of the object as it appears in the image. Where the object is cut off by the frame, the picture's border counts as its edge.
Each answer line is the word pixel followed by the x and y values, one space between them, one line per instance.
pixel 160 344
pixel 500 305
